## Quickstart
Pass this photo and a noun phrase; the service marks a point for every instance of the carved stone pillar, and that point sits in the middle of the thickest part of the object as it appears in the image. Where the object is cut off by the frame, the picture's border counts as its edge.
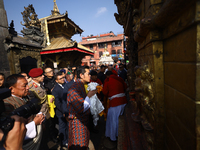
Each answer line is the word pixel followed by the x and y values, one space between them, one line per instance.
pixel 4 67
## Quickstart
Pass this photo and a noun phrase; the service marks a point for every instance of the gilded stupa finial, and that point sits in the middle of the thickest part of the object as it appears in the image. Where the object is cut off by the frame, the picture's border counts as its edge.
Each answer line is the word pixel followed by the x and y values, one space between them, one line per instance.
pixel 55 10
pixel 105 48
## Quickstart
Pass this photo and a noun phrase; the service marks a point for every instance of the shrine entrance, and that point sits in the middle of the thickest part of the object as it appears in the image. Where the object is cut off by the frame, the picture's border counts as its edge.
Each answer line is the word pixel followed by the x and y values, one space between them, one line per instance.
pixel 27 64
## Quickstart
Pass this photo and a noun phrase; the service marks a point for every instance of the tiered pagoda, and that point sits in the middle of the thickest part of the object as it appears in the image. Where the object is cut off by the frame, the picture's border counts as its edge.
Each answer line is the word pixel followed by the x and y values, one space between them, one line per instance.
pixel 59 49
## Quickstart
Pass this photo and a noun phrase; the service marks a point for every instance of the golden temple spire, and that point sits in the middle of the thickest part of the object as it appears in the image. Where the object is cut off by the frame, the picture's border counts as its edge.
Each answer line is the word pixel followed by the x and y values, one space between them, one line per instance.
pixel 55 10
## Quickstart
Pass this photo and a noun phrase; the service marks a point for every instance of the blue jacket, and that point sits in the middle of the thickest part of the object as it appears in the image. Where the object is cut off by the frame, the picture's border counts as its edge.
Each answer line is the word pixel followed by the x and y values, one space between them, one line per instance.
pixel 60 95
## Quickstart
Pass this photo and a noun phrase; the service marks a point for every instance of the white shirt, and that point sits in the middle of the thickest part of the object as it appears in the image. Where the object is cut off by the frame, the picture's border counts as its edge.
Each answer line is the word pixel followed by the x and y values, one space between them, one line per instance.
pixel 61 85
pixel 86 103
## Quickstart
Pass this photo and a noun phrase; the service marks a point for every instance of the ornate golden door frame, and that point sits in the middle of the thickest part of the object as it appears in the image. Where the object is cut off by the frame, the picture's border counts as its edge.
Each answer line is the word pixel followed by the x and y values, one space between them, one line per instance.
pixel 14 56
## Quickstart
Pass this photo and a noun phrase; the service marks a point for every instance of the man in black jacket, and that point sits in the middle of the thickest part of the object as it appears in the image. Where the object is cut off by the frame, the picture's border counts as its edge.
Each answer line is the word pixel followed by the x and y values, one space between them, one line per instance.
pixel 49 83
pixel 49 80
pixel 60 93
pixel 101 74
pixel 122 72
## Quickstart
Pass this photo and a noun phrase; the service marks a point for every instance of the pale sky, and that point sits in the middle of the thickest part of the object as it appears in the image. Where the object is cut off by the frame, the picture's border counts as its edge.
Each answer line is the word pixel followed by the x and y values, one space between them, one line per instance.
pixel 93 16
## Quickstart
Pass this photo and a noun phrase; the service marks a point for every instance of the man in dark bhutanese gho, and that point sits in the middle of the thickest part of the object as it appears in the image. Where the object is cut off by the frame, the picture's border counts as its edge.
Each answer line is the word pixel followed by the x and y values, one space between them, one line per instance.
pixel 78 105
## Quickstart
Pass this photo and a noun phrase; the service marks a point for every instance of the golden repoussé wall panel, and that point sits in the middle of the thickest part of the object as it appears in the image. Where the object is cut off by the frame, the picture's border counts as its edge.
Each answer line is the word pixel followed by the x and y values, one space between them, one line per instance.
pixel 181 47
pixel 179 78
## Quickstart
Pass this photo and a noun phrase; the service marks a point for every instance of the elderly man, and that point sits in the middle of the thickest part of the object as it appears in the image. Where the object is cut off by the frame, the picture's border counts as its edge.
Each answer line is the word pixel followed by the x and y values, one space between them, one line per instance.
pixel 19 90
pixel 49 80
pixel 78 105
pixel 49 83
pixel 37 90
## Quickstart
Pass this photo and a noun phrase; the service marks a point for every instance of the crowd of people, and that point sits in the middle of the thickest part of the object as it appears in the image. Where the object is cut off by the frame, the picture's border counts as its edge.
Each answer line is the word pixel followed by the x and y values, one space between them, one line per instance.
pixel 66 101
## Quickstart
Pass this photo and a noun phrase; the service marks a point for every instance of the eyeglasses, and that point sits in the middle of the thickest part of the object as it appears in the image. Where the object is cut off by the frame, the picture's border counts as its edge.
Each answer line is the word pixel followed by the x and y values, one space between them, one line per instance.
pixel 61 78
pixel 87 73
pixel 49 71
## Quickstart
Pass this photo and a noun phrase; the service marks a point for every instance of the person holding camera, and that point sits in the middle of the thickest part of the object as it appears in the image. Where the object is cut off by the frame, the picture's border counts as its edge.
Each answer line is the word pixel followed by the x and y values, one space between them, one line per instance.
pixel 15 137
pixel 19 91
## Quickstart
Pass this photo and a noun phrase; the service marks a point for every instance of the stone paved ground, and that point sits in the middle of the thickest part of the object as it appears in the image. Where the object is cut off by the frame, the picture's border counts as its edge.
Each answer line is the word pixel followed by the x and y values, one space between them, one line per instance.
pixel 97 139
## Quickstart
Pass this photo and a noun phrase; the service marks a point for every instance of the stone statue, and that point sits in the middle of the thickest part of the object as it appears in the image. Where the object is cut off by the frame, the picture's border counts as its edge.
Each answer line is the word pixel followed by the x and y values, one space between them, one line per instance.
pixel 30 17
pixel 12 29
pixel 32 24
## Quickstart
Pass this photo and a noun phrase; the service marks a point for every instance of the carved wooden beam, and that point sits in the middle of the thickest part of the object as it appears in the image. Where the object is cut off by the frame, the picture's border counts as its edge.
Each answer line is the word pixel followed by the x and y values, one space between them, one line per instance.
pixel 166 14
pixel 145 26
pixel 169 11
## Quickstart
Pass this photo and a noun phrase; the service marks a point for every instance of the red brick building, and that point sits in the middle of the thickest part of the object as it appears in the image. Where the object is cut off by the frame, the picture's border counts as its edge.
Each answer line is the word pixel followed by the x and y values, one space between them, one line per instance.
pixel 112 43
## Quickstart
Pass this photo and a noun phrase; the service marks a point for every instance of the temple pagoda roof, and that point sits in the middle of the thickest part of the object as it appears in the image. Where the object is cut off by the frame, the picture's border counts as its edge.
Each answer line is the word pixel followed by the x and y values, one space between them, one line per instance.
pixel 59 29
pixel 62 44
pixel 57 17
pixel 62 18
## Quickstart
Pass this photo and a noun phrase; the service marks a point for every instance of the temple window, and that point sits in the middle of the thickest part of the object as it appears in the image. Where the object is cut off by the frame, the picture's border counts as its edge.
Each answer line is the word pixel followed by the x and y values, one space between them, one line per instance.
pixel 91 46
pixel 119 51
pixel 100 53
pixel 116 43
pixel 113 51
pixel 102 45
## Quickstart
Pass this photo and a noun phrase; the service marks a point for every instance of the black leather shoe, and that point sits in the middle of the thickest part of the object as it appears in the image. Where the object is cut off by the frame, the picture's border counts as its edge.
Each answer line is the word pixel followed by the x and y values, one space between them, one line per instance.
pixel 55 140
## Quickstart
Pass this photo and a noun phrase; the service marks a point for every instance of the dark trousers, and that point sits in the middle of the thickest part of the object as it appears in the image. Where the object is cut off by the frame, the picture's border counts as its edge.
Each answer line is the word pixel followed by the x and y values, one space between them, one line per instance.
pixel 63 129
pixel 51 123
